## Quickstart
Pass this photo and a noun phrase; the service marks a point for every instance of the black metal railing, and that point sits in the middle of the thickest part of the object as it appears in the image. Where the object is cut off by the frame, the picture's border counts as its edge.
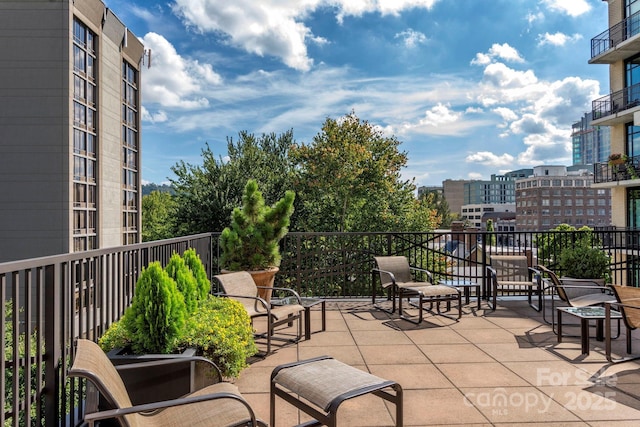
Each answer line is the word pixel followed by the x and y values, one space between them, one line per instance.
pixel 626 169
pixel 57 299
pixel 615 35
pixel 615 102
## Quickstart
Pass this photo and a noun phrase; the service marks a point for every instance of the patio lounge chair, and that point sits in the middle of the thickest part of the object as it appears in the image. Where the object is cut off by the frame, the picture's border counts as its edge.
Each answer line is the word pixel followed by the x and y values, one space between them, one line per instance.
pixel 396 276
pixel 240 286
pixel 573 292
pixel 216 405
pixel 628 303
pixel 511 273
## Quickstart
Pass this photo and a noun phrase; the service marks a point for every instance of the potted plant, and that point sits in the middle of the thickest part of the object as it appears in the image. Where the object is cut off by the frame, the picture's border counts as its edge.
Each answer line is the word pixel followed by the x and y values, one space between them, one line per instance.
pixel 251 243
pixel 617 159
pixel 159 324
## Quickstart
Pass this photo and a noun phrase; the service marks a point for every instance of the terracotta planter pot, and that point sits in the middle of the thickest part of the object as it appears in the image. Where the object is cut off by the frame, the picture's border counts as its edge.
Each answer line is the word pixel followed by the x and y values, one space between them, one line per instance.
pixel 262 278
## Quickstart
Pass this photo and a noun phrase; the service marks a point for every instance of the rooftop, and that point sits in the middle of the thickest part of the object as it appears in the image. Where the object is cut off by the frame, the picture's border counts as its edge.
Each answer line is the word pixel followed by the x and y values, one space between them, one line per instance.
pixel 489 368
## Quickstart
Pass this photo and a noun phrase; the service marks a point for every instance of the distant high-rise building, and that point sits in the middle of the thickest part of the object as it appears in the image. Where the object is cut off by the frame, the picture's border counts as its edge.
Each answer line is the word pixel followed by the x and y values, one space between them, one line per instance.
pixel 590 144
pixel 70 98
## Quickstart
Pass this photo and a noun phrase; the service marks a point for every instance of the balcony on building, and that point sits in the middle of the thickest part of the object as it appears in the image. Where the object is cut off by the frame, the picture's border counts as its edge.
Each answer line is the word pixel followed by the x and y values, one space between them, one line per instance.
pixel 625 174
pixel 618 42
pixel 617 107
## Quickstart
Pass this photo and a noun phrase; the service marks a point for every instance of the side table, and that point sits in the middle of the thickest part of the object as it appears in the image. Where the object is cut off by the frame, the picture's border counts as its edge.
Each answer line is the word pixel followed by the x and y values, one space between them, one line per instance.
pixel 325 383
pixel 307 303
pixel 585 314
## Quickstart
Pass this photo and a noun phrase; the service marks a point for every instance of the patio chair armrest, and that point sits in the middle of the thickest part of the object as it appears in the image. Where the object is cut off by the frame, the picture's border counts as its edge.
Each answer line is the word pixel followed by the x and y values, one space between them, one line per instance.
pixel 147 407
pixel 256 299
pixel 422 270
pixel 625 304
pixel 169 361
pixel 288 290
pixel 391 276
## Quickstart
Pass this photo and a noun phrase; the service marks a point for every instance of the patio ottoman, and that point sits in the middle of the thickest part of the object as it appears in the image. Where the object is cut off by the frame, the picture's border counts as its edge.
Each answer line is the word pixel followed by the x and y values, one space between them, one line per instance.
pixel 326 383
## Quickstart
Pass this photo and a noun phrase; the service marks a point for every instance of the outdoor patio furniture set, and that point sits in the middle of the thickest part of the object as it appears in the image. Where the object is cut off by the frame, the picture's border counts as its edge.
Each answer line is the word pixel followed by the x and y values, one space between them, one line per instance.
pixel 320 385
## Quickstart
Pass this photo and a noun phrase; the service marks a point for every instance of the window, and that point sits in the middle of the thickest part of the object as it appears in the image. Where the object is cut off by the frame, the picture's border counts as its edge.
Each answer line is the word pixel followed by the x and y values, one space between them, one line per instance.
pixel 84 138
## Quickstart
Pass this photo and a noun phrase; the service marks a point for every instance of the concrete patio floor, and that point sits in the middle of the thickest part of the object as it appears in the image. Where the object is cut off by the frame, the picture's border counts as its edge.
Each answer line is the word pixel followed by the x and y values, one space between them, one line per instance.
pixel 489 368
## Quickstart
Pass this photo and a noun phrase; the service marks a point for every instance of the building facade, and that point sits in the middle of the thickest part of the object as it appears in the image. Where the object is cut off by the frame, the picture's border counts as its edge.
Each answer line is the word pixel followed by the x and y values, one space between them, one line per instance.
pixel 590 144
pixel 553 196
pixel 500 189
pixel 618 46
pixel 476 215
pixel 70 111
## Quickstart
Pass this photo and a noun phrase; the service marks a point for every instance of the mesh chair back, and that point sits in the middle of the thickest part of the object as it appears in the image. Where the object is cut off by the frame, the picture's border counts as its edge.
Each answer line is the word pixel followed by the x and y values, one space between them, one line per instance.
pixel 397 265
pixel 93 364
pixel 573 285
pixel 240 284
pixel 511 268
pixel 631 296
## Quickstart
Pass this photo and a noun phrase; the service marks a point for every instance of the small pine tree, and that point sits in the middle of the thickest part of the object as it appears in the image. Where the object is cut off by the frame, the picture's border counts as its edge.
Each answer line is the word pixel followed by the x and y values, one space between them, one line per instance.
pixel 194 262
pixel 156 317
pixel 251 243
pixel 186 282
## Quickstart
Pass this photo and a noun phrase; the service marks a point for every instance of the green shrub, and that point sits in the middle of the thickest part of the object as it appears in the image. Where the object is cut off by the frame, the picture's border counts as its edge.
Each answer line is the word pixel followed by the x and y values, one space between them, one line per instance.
pixel 583 262
pixel 221 329
pixel 194 262
pixel 156 317
pixel 186 282
pixel 117 336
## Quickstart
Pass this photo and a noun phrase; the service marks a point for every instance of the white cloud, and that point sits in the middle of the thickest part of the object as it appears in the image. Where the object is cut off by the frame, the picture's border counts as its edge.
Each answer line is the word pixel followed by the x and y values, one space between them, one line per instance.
pixel 557 39
pixel 570 7
pixel 489 159
pixel 158 117
pixel 275 27
pixel 173 81
pixel 412 38
pixel 496 52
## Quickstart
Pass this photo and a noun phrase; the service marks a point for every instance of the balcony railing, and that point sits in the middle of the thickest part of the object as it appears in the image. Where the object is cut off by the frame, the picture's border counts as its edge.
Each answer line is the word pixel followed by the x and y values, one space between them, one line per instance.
pixel 607 172
pixel 616 102
pixel 615 35
pixel 57 299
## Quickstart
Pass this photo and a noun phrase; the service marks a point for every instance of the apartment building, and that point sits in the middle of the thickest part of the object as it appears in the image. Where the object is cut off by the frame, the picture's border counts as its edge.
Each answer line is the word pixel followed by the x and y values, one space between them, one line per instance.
pixel 69 128
pixel 554 196
pixel 619 47
pixel 590 144
pixel 499 189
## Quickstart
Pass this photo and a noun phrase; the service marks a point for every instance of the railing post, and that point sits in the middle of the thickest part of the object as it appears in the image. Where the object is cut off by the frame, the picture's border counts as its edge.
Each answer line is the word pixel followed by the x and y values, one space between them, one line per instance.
pixel 53 326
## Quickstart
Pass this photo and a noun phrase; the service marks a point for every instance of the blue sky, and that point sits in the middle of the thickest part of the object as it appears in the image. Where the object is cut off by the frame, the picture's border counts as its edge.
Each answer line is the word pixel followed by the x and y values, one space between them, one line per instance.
pixel 470 87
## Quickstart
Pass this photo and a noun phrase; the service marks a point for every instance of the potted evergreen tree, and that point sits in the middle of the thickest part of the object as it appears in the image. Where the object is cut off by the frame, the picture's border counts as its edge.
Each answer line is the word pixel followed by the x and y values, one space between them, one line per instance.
pixel 251 243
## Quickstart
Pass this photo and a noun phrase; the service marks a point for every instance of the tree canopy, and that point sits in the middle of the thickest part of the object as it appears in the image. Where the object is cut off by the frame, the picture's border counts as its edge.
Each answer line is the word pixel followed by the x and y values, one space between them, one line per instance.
pixel 348 178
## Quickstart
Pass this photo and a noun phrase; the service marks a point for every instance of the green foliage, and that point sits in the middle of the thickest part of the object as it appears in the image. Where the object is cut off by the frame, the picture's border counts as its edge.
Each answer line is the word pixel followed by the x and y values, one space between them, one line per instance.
pixel 206 195
pixel 490 230
pixel 222 331
pixel 157 314
pixel 251 243
pixel 194 262
pixel 436 201
pixel 348 179
pixel 551 244
pixel 14 368
pixel 186 282
pixel 158 320
pixel 584 262
pixel 158 216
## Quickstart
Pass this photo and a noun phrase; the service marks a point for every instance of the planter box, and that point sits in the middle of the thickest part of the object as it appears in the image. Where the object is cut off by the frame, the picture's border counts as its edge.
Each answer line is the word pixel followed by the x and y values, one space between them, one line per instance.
pixel 154 383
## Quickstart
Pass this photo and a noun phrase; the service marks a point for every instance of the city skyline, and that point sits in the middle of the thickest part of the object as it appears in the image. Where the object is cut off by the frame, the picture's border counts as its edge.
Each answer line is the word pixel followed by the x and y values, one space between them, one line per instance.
pixel 469 88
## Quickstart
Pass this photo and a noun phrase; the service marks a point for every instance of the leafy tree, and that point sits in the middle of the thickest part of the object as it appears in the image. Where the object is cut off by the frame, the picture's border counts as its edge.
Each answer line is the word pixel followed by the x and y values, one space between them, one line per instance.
pixel 436 201
pixel 348 179
pixel 158 213
pixel 207 194
pixel 490 231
